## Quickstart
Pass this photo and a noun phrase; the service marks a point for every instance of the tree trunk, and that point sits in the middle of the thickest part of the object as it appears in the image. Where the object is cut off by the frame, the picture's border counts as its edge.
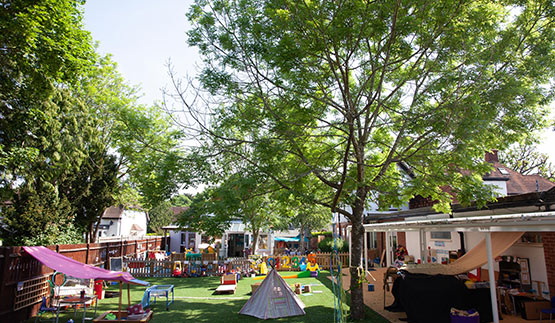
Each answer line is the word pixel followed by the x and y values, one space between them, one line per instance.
pixel 301 243
pixel 95 231
pixel 357 300
pixel 255 234
pixel 357 235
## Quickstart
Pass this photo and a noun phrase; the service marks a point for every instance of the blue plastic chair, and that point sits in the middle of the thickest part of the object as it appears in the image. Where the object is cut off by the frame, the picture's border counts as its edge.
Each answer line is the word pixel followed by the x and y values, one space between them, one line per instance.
pixel 44 309
pixel 549 311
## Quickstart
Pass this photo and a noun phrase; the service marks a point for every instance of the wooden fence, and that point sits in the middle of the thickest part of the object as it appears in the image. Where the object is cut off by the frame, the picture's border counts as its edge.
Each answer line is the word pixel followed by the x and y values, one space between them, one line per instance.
pixel 190 267
pixel 324 260
pixel 209 265
pixel 149 267
pixel 19 268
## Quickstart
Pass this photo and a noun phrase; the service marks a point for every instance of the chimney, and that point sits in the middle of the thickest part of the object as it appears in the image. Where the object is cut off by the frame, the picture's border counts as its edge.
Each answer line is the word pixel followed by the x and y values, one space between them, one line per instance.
pixel 491 156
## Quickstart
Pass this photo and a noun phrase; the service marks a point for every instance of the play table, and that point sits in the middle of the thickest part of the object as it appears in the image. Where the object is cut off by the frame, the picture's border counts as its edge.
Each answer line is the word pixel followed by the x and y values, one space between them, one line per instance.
pixel 157 291
pixel 76 300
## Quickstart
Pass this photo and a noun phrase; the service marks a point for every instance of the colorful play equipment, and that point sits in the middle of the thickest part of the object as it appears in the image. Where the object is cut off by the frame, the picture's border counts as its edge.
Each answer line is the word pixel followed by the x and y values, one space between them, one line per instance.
pixel 177 269
pixel 158 291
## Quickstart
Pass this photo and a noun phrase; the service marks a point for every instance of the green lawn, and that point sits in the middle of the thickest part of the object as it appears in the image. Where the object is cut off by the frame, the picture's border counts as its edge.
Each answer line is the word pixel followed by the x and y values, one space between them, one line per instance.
pixel 195 301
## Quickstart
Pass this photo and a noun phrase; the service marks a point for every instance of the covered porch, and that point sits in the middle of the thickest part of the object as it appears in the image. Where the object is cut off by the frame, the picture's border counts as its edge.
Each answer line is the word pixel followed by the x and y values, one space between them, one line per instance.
pixel 486 225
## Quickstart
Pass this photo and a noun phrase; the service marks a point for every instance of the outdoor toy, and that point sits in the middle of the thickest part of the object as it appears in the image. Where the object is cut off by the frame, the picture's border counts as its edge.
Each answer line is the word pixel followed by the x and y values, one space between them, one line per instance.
pixel 157 291
pixel 177 269
pixel 263 269
pixel 302 274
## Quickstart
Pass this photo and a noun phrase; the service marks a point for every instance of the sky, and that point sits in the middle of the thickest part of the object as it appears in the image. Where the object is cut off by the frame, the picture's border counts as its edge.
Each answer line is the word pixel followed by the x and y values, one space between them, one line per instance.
pixel 143 35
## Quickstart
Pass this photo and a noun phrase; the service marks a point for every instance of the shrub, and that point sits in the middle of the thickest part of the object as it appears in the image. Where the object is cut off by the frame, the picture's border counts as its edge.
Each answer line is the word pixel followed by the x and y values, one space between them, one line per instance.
pixel 322 233
pixel 326 245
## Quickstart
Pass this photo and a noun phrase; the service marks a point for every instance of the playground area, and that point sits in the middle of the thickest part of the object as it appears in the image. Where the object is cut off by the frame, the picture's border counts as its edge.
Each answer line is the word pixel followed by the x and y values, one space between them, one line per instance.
pixel 195 300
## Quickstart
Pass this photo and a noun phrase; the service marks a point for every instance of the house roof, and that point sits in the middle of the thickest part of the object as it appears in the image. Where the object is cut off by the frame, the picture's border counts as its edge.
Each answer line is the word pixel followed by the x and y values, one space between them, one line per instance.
pixel 113 212
pixel 116 212
pixel 179 209
pixel 518 183
pixel 136 227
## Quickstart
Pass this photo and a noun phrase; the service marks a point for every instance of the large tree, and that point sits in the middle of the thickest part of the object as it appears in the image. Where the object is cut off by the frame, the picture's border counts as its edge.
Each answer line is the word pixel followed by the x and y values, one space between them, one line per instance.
pixel 345 91
pixel 71 129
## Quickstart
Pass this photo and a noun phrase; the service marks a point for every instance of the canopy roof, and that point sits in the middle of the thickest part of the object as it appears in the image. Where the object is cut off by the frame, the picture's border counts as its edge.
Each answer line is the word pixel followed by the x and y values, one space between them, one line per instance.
pixel 537 221
pixel 290 239
pixel 77 269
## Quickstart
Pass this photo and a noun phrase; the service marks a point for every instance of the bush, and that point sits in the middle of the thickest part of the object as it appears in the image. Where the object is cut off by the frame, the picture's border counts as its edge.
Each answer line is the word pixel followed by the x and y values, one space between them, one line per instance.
pixel 322 233
pixel 326 245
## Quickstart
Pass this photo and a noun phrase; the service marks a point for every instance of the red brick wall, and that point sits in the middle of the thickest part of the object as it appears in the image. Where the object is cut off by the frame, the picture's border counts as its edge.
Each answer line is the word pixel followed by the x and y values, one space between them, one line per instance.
pixel 401 239
pixel 548 239
pixel 419 201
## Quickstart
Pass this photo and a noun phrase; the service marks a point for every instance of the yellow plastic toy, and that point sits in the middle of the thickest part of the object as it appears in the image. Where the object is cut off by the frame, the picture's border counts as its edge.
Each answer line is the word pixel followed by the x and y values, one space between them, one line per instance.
pixel 263 268
pixel 311 267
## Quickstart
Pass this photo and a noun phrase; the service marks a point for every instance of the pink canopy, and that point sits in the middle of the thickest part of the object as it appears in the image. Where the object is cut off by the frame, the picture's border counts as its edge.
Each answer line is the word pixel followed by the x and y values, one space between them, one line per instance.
pixel 77 269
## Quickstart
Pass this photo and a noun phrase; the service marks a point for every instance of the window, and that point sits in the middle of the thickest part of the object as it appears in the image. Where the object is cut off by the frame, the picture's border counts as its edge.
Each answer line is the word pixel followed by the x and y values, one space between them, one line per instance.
pixel 372 240
pixel 503 171
pixel 205 239
pixel 263 242
pixel 441 235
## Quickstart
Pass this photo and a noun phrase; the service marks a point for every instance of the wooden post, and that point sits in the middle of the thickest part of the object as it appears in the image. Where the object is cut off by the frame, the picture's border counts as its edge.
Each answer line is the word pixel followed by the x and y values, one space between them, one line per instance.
pixel 119 307
pixel 129 294
pixel 107 260
pixel 87 254
pixel 121 248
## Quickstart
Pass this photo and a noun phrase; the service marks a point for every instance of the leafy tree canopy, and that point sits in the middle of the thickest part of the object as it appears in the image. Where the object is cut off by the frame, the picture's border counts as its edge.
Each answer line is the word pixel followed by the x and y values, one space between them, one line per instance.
pixel 160 216
pixel 71 130
pixel 345 93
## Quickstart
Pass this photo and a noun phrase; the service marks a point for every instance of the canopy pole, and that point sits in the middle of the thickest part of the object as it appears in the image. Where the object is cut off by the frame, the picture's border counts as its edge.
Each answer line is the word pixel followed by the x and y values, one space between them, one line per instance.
pixel 365 252
pixel 350 248
pixel 388 252
pixel 119 308
pixel 421 240
pixel 129 294
pixel 491 274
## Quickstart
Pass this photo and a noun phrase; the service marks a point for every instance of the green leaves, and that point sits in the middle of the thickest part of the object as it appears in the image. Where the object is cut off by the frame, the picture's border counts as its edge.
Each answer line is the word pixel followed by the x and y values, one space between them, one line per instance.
pixel 343 94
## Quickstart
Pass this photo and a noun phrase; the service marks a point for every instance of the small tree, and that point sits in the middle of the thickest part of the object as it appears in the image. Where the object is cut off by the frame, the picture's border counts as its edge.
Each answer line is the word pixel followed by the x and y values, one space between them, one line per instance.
pixel 526 159
pixel 160 216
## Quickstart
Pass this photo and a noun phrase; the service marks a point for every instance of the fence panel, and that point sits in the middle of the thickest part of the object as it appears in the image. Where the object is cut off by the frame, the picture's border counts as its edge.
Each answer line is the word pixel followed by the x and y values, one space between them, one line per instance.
pixel 149 267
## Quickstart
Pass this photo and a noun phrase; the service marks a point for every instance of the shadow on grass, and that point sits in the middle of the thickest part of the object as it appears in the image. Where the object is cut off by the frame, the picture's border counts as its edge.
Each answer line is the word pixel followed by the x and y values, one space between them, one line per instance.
pixel 194 303
pixel 370 314
pixel 228 311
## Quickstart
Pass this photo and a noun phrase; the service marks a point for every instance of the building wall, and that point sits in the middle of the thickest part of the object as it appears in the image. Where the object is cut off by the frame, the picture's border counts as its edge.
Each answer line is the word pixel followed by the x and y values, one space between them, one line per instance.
pixel 536 253
pixel 438 247
pixel 113 229
pixel 130 217
pixel 548 239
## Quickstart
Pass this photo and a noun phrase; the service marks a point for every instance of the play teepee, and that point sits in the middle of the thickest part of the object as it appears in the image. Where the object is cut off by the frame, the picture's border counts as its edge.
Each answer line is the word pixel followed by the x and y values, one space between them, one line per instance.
pixel 273 299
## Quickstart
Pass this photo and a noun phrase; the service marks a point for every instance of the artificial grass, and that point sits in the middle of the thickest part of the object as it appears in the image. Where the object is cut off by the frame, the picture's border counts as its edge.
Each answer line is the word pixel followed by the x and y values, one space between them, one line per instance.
pixel 195 301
